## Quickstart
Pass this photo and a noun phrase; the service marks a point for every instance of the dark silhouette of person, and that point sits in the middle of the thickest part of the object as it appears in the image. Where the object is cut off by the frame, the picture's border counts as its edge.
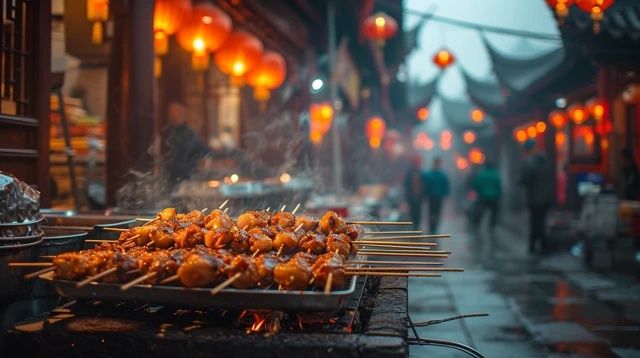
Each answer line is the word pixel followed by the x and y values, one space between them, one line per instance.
pixel 437 189
pixel 414 190
pixel 488 186
pixel 537 179
pixel 183 149
pixel 630 175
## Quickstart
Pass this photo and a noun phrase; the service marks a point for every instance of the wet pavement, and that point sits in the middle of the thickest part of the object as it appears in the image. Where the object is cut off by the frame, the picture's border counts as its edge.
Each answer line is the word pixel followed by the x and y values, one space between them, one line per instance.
pixel 539 306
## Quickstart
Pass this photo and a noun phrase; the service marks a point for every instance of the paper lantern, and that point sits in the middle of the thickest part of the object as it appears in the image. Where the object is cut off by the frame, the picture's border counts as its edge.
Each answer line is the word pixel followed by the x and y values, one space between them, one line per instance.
pixel 520 135
pixel 321 117
pixel 558 119
pixel 541 127
pixel 97 13
pixel 469 137
pixel 206 29
pixel 595 108
pixel 168 16
pixel 462 163
pixel 532 132
pixel 267 75
pixel 443 59
pixel 560 7
pixel 239 54
pixel 422 113
pixel 375 129
pixel 477 115
pixel 379 27
pixel 476 156
pixel 577 113
pixel 596 8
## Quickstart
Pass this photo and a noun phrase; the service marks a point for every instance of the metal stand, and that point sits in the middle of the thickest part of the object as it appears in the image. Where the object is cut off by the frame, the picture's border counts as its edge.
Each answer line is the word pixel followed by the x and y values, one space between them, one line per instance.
pixel 442 343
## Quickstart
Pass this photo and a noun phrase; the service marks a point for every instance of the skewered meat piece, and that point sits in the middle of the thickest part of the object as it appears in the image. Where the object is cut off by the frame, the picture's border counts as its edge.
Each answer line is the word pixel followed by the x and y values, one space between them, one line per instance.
pixel 239 242
pixel 200 270
pixel 73 265
pixel 329 263
pixel 189 237
pixel 162 236
pixel 245 265
pixel 260 242
pixel 218 220
pixel 287 240
pixel 332 223
pixel 283 219
pixel 251 219
pixel 308 223
pixel 312 242
pixel 194 217
pixel 339 243
pixel 354 231
pixel 123 262
pixel 166 214
pixel 218 238
pixel 159 262
pixel 293 274
pixel 266 263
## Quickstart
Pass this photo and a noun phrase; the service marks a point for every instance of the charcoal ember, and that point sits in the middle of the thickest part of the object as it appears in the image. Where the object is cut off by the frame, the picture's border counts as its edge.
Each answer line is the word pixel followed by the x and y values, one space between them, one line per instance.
pixel 19 202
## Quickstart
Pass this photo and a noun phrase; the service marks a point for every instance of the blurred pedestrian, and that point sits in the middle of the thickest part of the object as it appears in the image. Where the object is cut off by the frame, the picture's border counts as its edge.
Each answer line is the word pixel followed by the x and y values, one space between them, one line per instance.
pixel 537 179
pixel 183 149
pixel 437 189
pixel 630 175
pixel 488 187
pixel 414 190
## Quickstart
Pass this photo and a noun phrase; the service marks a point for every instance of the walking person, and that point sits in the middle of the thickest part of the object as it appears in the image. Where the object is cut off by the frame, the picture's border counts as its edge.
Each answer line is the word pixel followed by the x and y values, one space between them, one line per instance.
pixel 488 187
pixel 536 177
pixel 437 189
pixel 414 191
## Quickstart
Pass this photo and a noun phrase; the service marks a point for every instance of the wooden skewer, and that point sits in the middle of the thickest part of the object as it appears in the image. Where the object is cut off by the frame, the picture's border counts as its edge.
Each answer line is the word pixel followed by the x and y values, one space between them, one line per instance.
pixel 55 227
pixel 283 207
pixel 380 222
pixel 223 204
pixel 169 279
pixel 255 253
pixel 99 241
pixel 30 264
pixel 136 281
pixel 401 274
pixel 408 237
pixel 204 210
pixel 384 243
pixel 381 262
pixel 327 286
pixel 47 256
pixel 114 229
pixel 225 210
pixel 365 251
pixel 150 243
pixel 225 284
pixel 268 208
pixel 403 269
pixel 383 247
pixel 90 279
pixel 293 212
pixel 32 275
pixel 298 227
pixel 393 232
pixel 383 253
pixel 279 250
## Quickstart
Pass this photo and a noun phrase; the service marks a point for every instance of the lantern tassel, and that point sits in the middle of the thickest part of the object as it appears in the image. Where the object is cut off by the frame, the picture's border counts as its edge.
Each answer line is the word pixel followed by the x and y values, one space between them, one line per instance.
pixel 97 33
pixel 157 66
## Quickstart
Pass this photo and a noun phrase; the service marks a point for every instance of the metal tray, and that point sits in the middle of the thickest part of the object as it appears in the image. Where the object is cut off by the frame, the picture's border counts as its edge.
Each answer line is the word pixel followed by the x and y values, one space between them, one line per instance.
pixel 229 298
pixel 26 222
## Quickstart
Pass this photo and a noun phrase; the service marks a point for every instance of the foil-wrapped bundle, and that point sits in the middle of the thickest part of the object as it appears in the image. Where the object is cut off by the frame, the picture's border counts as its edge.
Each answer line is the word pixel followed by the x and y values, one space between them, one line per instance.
pixel 19 202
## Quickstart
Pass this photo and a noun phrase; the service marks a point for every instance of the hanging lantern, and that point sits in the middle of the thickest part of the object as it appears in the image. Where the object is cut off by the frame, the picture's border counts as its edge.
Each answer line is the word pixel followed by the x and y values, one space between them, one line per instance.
pixel 595 108
pixel 532 132
pixel 239 54
pixel 577 113
pixel 462 163
pixel 469 137
pixel 205 31
pixel 520 135
pixel 561 139
pixel 476 156
pixel 98 13
pixel 168 17
pixel 541 127
pixel 558 119
pixel 379 27
pixel 375 129
pixel 477 115
pixel 321 115
pixel 267 75
pixel 443 59
pixel 560 7
pixel 422 114
pixel 596 8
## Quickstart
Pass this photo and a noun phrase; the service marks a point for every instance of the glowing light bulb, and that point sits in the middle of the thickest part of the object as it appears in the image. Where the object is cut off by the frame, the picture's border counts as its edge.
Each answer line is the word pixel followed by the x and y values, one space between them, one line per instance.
pixel 234 178
pixel 285 178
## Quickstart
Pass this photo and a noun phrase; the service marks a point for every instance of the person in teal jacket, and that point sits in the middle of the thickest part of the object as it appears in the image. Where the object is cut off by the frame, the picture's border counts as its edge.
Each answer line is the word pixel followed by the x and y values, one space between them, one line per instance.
pixel 437 189
pixel 488 186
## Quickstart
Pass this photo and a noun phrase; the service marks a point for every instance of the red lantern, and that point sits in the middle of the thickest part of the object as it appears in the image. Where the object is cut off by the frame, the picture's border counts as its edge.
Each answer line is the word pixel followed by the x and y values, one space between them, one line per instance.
pixel 560 7
pixel 422 113
pixel 379 27
pixel 375 129
pixel 541 127
pixel 168 17
pixel 239 54
pixel 476 156
pixel 98 13
pixel 206 29
pixel 520 135
pixel 596 8
pixel 577 113
pixel 469 136
pixel 558 119
pixel 267 75
pixel 596 108
pixel 443 59
pixel 321 118
pixel 477 115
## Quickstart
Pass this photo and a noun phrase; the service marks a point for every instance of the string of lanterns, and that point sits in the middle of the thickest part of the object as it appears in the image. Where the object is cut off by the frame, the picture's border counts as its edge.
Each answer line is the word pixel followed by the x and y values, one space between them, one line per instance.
pixel 595 8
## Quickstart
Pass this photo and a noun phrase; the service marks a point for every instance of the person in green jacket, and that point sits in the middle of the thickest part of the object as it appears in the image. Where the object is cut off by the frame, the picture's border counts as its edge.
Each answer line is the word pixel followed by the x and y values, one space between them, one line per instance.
pixel 437 189
pixel 488 186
